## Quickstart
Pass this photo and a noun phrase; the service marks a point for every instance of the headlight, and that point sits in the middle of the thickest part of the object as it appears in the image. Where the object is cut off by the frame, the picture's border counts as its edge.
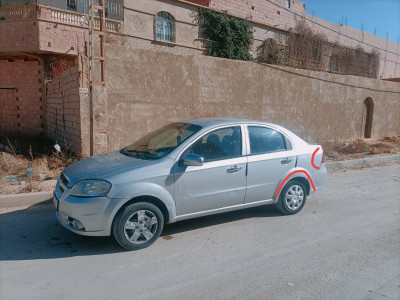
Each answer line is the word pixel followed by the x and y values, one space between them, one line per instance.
pixel 90 188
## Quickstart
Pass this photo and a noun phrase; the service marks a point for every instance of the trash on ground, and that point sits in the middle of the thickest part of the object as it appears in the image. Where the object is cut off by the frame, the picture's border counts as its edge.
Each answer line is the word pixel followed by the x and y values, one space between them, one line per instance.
pixel 57 147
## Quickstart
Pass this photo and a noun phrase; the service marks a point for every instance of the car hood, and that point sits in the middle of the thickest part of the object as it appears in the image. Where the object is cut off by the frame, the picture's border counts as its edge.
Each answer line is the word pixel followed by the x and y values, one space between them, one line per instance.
pixel 103 166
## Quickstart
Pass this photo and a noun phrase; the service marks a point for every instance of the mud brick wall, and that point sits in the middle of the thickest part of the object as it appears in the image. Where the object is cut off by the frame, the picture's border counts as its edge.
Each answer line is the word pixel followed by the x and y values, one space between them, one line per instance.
pixel 63 109
pixel 21 96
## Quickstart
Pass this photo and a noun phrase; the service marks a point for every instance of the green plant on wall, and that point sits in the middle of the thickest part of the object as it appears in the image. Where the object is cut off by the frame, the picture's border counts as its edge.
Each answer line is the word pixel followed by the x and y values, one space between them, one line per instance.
pixel 227 36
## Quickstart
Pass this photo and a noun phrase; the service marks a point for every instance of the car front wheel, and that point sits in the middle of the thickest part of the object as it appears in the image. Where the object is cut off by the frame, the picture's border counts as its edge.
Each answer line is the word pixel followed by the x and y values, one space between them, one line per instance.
pixel 138 225
pixel 292 198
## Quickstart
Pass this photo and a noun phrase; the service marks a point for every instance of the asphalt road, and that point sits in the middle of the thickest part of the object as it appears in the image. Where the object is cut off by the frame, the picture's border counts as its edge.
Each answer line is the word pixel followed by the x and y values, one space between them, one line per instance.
pixel 345 244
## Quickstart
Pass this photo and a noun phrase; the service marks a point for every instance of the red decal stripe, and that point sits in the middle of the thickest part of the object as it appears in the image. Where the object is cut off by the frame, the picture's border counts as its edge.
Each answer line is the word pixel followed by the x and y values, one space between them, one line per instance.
pixel 294 172
pixel 312 159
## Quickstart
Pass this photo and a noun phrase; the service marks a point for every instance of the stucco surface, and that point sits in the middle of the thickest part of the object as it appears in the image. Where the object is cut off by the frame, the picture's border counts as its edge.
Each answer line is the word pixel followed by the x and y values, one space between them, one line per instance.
pixel 148 89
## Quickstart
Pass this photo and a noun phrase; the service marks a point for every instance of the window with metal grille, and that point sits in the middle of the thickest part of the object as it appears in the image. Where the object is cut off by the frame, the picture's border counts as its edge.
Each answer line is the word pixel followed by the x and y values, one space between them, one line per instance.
pixel 204 22
pixel 334 64
pixel 71 4
pixel 165 27
pixel 287 3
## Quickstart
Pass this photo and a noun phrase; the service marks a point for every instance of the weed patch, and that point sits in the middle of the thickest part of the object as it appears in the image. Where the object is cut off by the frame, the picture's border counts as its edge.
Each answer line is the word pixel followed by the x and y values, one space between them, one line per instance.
pixel 30 164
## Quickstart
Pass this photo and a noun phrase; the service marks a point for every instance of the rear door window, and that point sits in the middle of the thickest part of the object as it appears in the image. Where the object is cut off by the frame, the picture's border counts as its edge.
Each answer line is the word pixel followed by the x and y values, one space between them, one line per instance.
pixel 267 140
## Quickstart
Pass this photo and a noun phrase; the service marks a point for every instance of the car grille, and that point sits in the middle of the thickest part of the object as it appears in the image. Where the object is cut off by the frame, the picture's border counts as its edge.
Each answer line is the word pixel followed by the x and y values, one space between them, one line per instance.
pixel 63 182
pixel 61 185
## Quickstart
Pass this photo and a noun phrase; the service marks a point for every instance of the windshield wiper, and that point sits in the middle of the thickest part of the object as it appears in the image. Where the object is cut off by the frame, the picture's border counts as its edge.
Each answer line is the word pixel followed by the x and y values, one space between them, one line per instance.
pixel 141 153
pixel 147 153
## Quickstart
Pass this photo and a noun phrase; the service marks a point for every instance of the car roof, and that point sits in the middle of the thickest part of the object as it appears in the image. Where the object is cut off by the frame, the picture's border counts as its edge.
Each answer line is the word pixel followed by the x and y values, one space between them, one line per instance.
pixel 209 123
pixel 213 122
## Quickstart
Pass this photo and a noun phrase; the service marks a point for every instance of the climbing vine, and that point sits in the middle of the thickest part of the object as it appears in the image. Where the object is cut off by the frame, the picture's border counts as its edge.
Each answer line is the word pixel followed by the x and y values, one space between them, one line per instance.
pixel 271 52
pixel 303 48
pixel 225 36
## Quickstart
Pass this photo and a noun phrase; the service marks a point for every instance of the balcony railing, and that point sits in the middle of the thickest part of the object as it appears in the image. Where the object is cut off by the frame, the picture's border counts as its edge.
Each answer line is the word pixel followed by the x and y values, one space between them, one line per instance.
pixel 70 18
pixel 20 12
pixel 111 25
pixel 56 15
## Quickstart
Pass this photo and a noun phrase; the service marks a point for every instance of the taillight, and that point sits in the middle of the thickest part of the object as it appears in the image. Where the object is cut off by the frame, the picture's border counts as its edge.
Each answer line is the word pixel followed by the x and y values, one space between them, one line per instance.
pixel 323 157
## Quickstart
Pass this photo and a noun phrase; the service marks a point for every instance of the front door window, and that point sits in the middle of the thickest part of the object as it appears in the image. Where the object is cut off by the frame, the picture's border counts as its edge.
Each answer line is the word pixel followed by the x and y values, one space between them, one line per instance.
pixel 220 144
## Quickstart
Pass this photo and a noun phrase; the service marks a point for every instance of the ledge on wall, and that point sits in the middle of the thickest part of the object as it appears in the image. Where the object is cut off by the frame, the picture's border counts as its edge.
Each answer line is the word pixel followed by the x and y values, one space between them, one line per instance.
pixel 165 43
pixel 392 79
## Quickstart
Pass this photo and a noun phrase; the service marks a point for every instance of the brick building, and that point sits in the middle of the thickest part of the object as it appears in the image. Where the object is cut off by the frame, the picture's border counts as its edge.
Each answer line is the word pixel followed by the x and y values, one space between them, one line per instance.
pixel 39 47
pixel 44 50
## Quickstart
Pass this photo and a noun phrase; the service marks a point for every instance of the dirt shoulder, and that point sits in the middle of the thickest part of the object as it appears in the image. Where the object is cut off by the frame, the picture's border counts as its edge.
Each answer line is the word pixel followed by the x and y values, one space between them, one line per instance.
pixel 31 164
pixel 336 151
pixel 19 174
pixel 30 171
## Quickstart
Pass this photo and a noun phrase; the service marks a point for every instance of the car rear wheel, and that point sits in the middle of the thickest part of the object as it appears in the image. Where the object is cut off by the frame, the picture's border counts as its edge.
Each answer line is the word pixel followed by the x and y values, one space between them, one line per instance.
pixel 292 198
pixel 138 225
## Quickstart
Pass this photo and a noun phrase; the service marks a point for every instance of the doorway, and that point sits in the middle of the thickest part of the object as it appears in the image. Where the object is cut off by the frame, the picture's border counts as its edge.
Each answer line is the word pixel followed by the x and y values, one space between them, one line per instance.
pixel 368 113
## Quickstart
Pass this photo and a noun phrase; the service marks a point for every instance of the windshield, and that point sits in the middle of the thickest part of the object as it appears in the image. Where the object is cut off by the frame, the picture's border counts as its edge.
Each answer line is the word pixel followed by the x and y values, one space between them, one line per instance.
pixel 162 141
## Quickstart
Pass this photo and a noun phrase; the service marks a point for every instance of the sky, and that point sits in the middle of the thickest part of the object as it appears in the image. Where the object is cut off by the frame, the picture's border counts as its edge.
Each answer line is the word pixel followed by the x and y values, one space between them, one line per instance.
pixel 380 15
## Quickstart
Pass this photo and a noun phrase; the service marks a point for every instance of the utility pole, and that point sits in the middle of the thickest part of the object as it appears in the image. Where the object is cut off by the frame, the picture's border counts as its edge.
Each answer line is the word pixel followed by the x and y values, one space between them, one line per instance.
pixel 96 29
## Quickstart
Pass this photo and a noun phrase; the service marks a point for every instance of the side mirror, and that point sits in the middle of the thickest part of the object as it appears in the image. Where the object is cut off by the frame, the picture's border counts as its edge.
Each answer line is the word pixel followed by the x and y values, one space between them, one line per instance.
pixel 193 160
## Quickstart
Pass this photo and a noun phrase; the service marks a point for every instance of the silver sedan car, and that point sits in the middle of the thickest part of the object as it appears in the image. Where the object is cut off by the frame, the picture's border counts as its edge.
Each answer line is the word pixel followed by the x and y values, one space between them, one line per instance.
pixel 185 170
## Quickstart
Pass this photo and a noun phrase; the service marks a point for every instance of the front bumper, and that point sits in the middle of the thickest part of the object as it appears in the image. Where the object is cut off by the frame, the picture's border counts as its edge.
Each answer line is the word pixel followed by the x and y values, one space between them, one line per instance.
pixel 93 213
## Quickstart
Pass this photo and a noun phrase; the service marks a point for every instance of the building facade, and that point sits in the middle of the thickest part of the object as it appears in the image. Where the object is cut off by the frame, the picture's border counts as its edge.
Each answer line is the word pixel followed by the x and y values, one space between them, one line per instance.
pixel 271 19
pixel 45 49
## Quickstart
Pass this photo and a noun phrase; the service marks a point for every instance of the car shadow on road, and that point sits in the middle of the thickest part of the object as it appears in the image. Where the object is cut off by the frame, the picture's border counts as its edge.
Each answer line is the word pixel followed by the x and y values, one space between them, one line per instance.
pixel 218 219
pixel 35 233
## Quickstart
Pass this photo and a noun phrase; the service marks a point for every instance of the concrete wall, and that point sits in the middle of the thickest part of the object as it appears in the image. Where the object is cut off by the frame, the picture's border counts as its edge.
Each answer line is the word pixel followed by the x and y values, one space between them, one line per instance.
pixel 21 96
pixel 148 89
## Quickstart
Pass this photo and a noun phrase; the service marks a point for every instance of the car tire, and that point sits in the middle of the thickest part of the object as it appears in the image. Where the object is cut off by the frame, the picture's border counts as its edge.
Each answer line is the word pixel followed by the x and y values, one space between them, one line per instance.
pixel 292 198
pixel 138 225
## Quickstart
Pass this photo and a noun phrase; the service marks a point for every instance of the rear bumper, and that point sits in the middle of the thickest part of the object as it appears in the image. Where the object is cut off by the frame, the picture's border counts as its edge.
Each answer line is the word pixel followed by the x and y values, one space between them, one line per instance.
pixel 319 178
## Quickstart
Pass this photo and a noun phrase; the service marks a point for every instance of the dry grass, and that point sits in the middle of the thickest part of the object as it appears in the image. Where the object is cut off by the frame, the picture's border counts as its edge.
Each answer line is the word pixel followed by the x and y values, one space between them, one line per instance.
pixel 20 154
pixel 49 165
pixel 361 148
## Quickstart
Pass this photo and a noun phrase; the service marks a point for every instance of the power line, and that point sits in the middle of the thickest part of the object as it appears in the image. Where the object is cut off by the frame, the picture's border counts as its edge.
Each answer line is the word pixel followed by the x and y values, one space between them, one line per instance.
pixel 319 24
pixel 291 71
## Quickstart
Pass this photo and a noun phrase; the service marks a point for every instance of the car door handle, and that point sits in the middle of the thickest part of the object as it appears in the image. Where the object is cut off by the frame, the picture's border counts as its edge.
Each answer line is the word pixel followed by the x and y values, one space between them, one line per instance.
pixel 286 161
pixel 233 169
